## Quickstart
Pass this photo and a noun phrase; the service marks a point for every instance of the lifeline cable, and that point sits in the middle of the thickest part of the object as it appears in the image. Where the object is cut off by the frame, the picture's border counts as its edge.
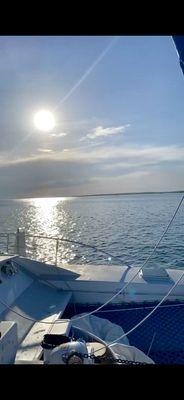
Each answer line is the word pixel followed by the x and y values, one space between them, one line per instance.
pixel 120 291
pixel 147 316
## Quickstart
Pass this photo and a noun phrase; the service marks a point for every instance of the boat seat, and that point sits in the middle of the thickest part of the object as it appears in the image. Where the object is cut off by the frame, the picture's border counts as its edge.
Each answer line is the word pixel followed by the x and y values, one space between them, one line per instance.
pixel 38 302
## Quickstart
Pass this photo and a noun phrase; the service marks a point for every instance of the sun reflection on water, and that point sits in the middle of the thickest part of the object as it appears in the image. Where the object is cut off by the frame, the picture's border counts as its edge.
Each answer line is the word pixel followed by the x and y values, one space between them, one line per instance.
pixel 46 214
pixel 50 220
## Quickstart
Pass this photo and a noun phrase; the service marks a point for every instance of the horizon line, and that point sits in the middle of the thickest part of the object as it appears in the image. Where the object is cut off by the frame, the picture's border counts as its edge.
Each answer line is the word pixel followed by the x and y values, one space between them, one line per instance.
pixel 93 195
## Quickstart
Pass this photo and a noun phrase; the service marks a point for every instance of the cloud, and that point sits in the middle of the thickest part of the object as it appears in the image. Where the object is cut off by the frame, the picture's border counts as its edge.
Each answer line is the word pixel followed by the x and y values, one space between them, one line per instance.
pixel 88 71
pixel 45 150
pixel 114 156
pixel 83 171
pixel 43 176
pixel 100 131
pixel 58 134
pixel 135 154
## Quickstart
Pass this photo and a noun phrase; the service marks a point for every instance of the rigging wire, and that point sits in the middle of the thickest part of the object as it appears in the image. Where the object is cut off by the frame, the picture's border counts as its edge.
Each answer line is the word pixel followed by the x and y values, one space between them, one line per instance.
pixel 120 291
pixel 148 315
pixel 154 309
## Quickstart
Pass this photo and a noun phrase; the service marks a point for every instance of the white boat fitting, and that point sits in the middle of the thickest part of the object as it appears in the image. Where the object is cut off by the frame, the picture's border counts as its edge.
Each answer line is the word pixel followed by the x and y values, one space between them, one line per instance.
pixel 34 296
pixel 32 306
pixel 37 325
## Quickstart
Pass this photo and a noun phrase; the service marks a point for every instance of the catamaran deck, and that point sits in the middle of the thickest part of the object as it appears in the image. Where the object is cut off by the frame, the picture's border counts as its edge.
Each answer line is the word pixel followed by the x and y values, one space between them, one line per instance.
pixel 162 334
pixel 37 301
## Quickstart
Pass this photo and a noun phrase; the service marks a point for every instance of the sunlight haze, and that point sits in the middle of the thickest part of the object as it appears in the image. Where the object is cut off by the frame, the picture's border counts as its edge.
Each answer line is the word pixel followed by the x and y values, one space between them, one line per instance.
pixel 90 114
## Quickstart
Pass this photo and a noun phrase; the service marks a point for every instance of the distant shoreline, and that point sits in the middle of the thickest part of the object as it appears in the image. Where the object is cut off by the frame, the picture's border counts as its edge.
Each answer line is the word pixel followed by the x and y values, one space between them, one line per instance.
pixel 127 194
pixel 92 195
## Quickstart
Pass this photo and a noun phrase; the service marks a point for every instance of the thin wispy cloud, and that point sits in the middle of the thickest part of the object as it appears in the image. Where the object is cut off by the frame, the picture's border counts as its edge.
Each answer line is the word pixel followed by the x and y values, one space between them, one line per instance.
pixel 45 150
pixel 135 153
pixel 119 156
pixel 88 72
pixel 100 131
pixel 91 148
pixel 59 134
pixel 75 172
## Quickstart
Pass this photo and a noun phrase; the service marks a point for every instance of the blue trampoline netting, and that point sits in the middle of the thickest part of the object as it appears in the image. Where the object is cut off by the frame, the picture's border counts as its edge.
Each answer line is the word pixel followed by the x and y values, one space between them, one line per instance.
pixel 162 334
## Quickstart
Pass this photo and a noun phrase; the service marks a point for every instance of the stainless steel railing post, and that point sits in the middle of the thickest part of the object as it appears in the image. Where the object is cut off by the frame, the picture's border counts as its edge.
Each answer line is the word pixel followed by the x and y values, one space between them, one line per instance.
pixel 57 246
pixel 7 243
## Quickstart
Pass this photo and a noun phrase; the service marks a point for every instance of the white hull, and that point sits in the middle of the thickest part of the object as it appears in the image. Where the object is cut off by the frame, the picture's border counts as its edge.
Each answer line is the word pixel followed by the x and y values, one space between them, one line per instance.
pixel 40 292
pixel 95 284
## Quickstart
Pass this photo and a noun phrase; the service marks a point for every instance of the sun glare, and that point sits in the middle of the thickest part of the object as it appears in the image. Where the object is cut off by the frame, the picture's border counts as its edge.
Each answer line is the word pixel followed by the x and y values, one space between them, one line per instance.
pixel 44 120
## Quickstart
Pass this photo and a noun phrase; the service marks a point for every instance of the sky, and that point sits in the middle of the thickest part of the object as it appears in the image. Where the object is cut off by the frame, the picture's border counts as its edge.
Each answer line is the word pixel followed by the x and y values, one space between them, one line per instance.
pixel 118 107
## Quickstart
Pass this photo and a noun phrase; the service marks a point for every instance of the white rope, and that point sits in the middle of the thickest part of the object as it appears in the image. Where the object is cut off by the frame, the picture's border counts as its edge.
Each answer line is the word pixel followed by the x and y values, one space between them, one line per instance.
pixel 116 294
pixel 143 265
pixel 148 315
pixel 151 312
pixel 145 318
pixel 140 308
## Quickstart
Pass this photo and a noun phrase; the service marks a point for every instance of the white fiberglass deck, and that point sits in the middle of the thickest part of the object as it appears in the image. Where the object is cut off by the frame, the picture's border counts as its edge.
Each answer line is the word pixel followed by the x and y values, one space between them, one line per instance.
pixel 97 283
pixel 37 302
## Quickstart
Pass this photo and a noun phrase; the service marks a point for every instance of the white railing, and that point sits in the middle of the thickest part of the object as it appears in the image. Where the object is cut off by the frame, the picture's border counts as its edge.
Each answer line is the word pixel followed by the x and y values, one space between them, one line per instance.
pixel 50 248
pixel 8 244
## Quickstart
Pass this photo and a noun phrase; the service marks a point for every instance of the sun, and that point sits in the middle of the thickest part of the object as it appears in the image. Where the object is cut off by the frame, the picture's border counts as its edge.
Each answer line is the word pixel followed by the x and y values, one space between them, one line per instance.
pixel 44 120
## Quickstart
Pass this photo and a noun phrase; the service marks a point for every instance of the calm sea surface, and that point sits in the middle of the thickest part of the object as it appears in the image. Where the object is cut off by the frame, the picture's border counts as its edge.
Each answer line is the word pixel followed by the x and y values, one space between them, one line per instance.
pixel 126 226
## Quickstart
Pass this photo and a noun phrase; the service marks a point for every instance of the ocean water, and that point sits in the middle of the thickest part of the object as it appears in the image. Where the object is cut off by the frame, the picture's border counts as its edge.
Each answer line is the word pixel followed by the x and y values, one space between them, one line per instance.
pixel 125 226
